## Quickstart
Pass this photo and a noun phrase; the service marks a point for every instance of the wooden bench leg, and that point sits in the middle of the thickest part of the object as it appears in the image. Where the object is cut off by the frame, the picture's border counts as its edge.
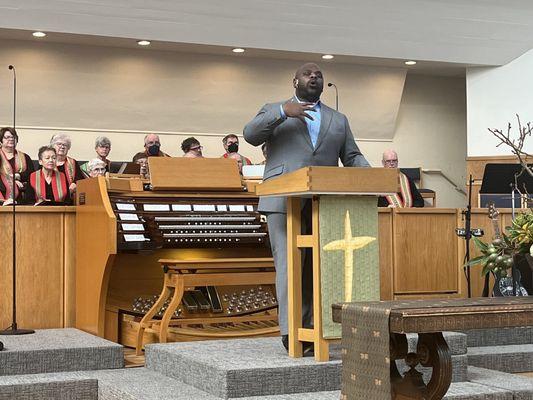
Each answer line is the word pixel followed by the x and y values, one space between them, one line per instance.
pixel 179 288
pixel 432 351
pixel 146 321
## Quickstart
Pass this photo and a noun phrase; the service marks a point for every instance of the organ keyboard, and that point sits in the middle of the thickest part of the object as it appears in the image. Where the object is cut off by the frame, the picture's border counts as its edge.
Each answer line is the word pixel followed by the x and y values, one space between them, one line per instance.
pixel 168 223
pixel 125 226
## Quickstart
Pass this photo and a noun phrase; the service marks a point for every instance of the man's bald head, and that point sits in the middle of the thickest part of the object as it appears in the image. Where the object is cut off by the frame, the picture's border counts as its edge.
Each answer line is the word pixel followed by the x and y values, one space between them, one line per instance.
pixel 390 159
pixel 308 82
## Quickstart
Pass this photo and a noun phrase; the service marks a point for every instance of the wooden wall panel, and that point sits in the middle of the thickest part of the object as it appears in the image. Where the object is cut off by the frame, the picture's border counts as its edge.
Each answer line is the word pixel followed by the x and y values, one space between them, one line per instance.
pixel 40 266
pixel 425 251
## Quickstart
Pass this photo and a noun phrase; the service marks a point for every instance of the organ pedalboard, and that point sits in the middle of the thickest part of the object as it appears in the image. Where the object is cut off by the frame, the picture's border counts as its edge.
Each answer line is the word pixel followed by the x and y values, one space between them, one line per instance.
pixel 222 301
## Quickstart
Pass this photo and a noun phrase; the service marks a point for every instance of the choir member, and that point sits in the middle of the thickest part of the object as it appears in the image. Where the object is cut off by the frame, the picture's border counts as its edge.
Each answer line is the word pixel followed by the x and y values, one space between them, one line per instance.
pixel 96 167
pixel 48 186
pixel 192 148
pixel 12 159
pixel 231 145
pixel 65 164
pixel 102 146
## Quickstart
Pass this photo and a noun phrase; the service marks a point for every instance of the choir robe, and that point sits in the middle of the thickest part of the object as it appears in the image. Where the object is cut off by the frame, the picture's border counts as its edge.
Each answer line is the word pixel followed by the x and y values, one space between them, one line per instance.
pixel 55 193
pixel 72 170
pixel 23 166
pixel 408 194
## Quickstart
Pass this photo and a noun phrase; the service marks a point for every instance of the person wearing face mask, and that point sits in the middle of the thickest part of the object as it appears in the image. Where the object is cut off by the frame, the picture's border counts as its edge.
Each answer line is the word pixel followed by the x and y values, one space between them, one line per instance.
pixel 11 158
pixel 48 186
pixel 152 148
pixel 192 148
pixel 231 145
pixel 299 132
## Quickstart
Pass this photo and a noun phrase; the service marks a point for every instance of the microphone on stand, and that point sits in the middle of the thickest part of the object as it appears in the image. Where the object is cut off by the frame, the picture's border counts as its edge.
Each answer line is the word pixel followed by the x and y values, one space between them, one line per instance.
pixel 336 95
pixel 13 329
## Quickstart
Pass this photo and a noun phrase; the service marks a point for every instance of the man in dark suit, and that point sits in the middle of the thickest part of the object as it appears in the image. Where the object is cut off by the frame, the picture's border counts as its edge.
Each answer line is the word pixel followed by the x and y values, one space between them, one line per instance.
pixel 299 132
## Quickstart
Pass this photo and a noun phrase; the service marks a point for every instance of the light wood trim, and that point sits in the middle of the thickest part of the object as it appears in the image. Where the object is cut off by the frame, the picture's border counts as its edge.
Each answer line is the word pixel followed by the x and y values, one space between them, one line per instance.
pixel 303 241
pixel 167 173
pixel 39 209
pixel 96 237
pixel 306 335
pixel 321 344
pixel 294 276
pixel 218 262
pixel 386 258
pixel 331 180
pixel 297 181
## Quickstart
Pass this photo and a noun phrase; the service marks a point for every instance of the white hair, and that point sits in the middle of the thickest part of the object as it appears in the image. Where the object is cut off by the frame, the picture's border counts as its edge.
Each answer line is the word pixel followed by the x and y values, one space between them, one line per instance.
pixel 94 163
pixel 61 137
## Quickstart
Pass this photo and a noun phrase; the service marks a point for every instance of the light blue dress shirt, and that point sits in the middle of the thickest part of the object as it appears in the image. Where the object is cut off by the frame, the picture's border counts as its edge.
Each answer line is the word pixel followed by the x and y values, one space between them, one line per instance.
pixel 313 126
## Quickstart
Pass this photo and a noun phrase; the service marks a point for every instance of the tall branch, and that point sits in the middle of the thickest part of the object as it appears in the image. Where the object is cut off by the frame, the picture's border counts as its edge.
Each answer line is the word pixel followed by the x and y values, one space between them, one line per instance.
pixel 516 145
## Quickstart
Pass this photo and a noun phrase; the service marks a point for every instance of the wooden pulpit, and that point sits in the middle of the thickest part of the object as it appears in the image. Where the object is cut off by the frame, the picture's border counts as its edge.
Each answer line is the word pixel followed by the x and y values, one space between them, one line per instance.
pixel 344 243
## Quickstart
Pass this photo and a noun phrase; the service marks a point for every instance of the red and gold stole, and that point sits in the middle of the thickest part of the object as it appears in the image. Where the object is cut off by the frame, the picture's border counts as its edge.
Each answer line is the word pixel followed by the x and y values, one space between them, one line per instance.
pixel 6 174
pixel 405 197
pixel 70 169
pixel 59 185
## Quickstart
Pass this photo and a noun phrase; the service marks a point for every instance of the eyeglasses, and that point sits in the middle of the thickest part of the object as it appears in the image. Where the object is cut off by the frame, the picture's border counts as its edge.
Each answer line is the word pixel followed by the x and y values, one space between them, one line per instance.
pixel 200 148
pixel 390 161
pixel 59 144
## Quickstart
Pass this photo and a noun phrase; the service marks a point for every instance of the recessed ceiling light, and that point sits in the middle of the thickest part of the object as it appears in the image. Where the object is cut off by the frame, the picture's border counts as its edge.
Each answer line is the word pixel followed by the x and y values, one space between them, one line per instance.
pixel 410 62
pixel 238 50
pixel 143 43
pixel 39 34
pixel 328 56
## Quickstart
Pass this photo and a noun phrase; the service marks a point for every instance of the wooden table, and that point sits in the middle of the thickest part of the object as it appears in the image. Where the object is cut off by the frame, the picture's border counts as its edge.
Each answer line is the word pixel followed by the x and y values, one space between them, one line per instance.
pixel 429 319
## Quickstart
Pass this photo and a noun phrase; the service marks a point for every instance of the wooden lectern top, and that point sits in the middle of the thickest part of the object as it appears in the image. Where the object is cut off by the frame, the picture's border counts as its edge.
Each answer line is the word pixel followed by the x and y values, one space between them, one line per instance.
pixel 332 180
pixel 181 173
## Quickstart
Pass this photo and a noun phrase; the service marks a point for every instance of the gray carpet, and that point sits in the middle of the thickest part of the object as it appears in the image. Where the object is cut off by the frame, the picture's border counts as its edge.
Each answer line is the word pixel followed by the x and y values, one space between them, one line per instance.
pixel 54 350
pixel 511 358
pixel 520 386
pixel 499 336
pixel 247 367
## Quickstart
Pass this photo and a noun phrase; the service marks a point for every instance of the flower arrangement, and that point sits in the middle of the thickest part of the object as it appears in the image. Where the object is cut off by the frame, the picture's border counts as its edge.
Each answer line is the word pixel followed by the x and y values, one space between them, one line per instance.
pixel 498 255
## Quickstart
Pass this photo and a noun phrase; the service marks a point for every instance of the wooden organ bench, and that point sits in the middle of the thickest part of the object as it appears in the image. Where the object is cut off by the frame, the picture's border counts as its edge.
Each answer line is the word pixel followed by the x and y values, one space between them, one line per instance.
pixel 234 308
pixel 429 319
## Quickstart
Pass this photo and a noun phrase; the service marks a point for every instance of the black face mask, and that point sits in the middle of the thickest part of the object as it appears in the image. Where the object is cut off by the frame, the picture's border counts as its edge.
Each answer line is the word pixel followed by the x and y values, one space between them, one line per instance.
pixel 153 150
pixel 233 148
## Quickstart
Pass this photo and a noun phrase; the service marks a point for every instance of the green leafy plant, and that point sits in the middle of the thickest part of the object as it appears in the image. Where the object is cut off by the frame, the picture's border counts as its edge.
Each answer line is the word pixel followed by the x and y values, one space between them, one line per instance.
pixel 497 256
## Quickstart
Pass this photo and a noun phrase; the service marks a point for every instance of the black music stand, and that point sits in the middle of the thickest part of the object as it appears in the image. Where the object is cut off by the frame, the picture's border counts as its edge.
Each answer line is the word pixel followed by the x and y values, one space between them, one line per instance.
pixel 498 182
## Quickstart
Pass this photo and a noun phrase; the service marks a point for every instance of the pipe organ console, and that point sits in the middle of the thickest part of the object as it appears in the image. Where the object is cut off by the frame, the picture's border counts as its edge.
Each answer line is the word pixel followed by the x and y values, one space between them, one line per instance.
pixel 125 229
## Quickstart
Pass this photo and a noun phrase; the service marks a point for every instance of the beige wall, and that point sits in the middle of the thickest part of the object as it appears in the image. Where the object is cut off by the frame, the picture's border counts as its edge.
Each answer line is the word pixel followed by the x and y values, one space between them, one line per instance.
pixel 87 91
pixel 431 133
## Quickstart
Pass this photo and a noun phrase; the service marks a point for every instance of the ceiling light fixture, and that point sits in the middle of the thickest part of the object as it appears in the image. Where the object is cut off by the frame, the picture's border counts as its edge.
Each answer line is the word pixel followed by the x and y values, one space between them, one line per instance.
pixel 39 34
pixel 410 62
pixel 328 56
pixel 238 50
pixel 143 43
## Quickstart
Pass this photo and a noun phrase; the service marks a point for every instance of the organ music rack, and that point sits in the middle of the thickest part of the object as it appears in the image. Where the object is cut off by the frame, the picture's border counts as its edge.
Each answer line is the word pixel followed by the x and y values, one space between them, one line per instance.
pixel 191 209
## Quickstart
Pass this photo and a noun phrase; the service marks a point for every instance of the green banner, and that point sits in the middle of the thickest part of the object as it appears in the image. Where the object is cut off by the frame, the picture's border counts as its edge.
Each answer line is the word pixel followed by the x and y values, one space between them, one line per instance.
pixel 349 254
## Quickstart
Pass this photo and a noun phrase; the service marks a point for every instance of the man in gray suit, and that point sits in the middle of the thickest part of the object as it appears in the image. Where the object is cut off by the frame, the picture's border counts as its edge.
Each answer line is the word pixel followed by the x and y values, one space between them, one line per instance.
pixel 299 132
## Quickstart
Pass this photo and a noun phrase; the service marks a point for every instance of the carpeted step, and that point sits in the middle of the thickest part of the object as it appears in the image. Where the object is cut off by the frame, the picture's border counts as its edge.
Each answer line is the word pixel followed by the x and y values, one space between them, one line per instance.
pixel 244 368
pixel 512 358
pixel 261 367
pixel 499 336
pixel 55 350
pixel 43 387
pixel 520 386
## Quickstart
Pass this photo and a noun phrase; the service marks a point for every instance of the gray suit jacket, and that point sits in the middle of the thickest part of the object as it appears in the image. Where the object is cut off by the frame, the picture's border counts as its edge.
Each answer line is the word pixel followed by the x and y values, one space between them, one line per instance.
pixel 289 146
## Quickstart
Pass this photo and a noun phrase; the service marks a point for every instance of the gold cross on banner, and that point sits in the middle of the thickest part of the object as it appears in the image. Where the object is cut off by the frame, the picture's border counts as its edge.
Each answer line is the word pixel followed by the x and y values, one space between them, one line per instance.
pixel 349 244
